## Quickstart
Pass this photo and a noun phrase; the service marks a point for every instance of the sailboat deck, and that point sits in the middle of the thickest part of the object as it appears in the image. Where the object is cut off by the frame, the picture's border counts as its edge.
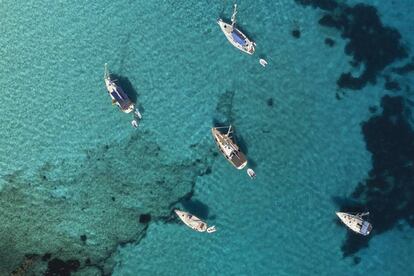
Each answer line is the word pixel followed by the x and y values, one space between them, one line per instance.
pixel 355 223
pixel 236 37
pixel 229 150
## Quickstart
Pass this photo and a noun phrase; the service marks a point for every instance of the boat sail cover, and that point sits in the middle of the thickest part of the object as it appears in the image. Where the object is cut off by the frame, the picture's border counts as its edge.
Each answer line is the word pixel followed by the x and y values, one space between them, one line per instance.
pixel 238 37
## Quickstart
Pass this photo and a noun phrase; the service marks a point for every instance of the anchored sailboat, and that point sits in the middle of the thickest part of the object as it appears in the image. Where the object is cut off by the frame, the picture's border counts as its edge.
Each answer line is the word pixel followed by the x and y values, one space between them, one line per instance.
pixel 236 37
pixel 117 94
pixel 229 148
pixel 356 222
pixel 194 222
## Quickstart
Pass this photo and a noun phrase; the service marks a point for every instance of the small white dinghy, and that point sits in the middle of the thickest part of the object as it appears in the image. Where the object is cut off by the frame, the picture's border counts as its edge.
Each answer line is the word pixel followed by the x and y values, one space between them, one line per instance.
pixel 137 113
pixel 194 222
pixel 134 123
pixel 263 62
pixel 355 222
pixel 137 118
pixel 251 173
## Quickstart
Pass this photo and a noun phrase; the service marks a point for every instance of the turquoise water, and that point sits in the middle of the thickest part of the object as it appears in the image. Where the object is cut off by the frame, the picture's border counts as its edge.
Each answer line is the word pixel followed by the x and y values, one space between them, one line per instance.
pixel 78 183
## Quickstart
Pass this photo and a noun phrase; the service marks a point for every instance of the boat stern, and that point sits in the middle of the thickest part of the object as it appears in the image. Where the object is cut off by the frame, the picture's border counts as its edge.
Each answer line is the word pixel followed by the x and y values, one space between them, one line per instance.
pixel 240 161
pixel 129 109
pixel 366 228
pixel 251 48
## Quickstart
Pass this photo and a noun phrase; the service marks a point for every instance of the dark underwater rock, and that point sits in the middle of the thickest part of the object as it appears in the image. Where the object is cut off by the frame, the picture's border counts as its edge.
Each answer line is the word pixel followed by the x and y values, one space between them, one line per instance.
pixel 208 171
pixel 83 238
pixel 57 267
pixel 373 109
pixel 296 33
pixel 46 257
pixel 269 102
pixel 156 181
pixel 369 42
pixel 357 260
pixel 328 5
pixel 144 218
pixel 407 68
pixel 391 85
pixel 330 42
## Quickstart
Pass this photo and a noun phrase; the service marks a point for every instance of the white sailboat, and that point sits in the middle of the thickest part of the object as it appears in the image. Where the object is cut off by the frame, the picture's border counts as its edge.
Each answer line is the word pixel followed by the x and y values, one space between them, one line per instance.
pixel 356 222
pixel 118 96
pixel 194 222
pixel 229 148
pixel 236 37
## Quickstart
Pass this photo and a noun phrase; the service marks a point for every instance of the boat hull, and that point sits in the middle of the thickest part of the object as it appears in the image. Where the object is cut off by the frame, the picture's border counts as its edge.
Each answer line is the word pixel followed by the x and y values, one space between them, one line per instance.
pixel 355 223
pixel 118 96
pixel 237 38
pixel 191 221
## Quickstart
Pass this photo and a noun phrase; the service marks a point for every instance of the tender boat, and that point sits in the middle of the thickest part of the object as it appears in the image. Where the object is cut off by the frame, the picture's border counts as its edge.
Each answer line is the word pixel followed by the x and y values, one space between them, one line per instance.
pixel 134 123
pixel 251 173
pixel 263 62
pixel 228 148
pixel 119 97
pixel 137 118
pixel 194 222
pixel 236 37
pixel 355 222
pixel 137 113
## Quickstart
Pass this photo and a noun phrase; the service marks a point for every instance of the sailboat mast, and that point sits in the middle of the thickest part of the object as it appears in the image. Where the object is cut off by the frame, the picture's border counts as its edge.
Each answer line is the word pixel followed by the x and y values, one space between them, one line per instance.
pixel 229 131
pixel 233 17
pixel 106 72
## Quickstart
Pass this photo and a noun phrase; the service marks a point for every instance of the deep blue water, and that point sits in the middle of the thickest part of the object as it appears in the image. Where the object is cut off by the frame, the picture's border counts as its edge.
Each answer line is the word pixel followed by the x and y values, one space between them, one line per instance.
pixel 327 126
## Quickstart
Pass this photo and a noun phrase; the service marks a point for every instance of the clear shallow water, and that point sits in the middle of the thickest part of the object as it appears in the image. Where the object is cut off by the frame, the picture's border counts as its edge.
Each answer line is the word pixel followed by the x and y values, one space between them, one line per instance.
pixel 73 166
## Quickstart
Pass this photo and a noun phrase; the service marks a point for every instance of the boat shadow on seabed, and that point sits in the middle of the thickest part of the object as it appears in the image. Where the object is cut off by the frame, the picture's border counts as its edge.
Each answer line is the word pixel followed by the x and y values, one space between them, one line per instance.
pixel 197 208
